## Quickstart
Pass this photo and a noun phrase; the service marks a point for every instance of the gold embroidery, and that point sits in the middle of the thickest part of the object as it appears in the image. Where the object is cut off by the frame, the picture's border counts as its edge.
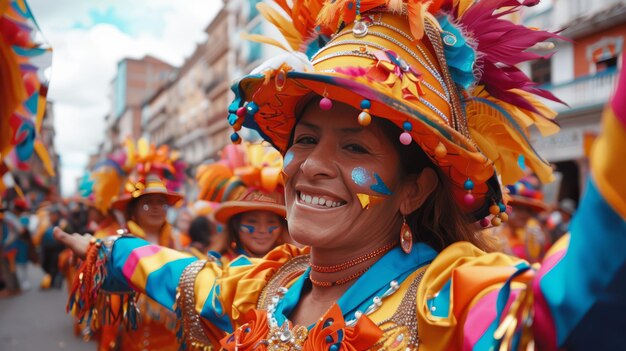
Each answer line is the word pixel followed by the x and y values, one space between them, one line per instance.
pixel 192 334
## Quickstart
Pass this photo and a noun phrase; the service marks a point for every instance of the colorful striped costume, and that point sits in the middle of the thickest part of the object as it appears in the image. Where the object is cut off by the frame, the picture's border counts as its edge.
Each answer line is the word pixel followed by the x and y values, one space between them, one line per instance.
pixel 457 299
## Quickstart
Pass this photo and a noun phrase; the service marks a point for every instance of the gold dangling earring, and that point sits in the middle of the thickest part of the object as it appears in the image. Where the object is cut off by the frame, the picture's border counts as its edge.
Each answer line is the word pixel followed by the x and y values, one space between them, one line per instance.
pixel 406 237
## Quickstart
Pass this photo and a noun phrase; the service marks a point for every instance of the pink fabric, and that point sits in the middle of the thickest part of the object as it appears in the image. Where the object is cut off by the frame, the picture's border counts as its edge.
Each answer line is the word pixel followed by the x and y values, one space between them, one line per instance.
pixel 543 325
pixel 619 99
pixel 135 256
pixel 480 317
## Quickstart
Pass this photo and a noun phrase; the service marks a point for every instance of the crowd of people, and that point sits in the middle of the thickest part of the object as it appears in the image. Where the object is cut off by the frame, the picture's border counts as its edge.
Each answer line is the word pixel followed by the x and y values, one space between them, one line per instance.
pixel 388 208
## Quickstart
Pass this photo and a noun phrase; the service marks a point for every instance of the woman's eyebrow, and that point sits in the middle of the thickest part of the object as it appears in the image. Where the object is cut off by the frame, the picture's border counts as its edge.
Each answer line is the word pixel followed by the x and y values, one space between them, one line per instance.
pixel 308 125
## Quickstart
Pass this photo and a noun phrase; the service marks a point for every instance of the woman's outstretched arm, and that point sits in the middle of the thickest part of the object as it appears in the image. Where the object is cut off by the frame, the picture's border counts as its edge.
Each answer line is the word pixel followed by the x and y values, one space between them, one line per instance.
pixel 220 295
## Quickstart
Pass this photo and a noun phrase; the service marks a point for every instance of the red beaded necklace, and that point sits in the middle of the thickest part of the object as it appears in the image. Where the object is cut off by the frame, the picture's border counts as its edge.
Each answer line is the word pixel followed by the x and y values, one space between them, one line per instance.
pixel 353 262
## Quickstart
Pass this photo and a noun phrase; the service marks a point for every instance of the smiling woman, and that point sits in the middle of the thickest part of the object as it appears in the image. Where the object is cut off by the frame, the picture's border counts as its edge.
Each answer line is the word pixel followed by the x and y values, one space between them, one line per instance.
pixel 395 135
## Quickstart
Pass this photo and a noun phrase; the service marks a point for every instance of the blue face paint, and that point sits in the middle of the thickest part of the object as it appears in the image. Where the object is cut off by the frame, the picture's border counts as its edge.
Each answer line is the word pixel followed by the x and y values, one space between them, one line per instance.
pixel 288 158
pixel 380 186
pixel 250 229
pixel 361 176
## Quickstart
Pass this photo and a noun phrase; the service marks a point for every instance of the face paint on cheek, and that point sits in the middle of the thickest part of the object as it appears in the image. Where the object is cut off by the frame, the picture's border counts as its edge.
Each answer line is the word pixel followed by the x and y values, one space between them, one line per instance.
pixel 272 229
pixel 361 177
pixel 248 229
pixel 286 162
pixel 288 158
pixel 368 201
pixel 380 186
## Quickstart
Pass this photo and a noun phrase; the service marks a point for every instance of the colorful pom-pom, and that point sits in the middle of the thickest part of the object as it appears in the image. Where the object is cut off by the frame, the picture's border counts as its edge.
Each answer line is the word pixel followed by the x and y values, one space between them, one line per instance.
pixel 407 126
pixel 440 150
pixel 365 119
pixel 235 138
pixel 468 185
pixel 326 104
pixel 484 222
pixel 494 209
pixel 252 108
pixel 405 138
pixel 504 217
pixel 469 199
pixel 241 112
pixel 496 221
pixel 237 126
pixel 365 104
pixel 502 207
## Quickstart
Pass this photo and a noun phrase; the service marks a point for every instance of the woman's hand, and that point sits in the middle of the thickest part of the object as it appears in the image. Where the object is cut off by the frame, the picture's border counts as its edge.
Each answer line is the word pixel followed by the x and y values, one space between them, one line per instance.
pixel 75 242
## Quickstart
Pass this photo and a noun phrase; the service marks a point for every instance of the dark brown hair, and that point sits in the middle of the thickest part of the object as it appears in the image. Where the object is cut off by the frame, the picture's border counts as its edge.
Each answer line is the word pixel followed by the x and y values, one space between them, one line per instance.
pixel 439 222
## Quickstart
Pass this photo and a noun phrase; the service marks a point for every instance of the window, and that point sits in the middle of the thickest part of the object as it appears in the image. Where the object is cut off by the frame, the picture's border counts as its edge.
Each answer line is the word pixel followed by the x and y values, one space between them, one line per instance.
pixel 541 72
pixel 604 54
pixel 606 64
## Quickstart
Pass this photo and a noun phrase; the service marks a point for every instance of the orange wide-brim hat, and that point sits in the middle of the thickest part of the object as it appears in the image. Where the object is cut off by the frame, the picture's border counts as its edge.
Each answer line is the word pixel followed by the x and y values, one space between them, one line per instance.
pixel 535 205
pixel 406 82
pixel 152 185
pixel 253 200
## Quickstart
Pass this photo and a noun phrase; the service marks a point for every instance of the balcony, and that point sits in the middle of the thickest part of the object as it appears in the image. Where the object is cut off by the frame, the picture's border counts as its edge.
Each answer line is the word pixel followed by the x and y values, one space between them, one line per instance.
pixel 583 92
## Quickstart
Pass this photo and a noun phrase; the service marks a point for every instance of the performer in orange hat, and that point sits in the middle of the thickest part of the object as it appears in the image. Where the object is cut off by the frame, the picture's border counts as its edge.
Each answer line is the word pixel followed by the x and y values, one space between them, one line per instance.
pixel 247 184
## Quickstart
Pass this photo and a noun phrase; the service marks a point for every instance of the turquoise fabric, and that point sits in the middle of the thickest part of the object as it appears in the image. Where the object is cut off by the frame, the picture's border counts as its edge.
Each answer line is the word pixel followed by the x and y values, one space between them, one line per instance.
pixel 579 281
pixel 395 265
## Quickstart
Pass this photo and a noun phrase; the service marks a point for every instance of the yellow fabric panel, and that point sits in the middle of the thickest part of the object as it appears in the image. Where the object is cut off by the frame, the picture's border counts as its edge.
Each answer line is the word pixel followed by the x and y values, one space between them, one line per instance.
pixel 607 162
pixel 475 273
pixel 149 264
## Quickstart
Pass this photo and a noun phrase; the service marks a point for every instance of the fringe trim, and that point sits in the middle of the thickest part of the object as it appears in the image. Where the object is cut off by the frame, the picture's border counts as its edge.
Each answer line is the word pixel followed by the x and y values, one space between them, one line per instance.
pixel 93 306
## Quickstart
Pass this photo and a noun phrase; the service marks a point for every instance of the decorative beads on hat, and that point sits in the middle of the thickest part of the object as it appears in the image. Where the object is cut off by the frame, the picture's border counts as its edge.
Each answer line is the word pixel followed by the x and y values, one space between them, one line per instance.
pixel 469 197
pixel 326 103
pixel 405 137
pixel 236 120
pixel 500 215
pixel 359 29
pixel 364 117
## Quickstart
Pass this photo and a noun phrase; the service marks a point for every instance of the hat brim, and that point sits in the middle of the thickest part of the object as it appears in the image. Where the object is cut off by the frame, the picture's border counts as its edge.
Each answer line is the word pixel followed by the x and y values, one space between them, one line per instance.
pixel 276 119
pixel 229 209
pixel 534 204
pixel 121 204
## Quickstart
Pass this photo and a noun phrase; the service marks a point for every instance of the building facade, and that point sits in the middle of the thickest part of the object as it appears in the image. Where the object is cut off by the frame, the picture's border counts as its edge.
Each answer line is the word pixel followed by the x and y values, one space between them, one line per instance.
pixel 189 112
pixel 582 73
pixel 136 80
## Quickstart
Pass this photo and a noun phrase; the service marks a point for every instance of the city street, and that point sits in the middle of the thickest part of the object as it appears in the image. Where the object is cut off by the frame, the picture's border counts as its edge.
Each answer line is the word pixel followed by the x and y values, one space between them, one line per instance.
pixel 36 320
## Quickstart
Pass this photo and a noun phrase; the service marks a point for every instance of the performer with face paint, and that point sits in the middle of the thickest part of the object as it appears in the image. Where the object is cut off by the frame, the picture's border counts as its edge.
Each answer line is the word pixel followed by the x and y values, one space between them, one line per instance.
pixel 255 223
pixel 248 185
pixel 397 131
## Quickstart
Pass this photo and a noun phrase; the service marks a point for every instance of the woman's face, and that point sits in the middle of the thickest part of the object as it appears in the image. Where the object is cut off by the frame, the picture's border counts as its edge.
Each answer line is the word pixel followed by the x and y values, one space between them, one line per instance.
pixel 151 210
pixel 259 230
pixel 332 163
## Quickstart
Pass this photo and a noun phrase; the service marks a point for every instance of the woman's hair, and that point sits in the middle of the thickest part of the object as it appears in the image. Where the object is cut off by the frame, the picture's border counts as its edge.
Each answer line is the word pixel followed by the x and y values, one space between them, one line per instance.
pixel 439 222
pixel 200 230
pixel 131 208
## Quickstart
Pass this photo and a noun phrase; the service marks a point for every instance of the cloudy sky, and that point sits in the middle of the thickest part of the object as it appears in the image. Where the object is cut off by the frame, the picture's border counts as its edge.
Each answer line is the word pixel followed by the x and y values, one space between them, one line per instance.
pixel 89 37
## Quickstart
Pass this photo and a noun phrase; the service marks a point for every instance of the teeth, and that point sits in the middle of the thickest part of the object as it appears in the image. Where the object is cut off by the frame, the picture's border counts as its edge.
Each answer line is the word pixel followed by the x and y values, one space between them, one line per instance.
pixel 319 201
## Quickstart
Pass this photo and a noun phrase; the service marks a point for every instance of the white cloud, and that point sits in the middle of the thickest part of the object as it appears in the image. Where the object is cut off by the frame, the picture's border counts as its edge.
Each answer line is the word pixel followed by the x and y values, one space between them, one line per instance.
pixel 88 39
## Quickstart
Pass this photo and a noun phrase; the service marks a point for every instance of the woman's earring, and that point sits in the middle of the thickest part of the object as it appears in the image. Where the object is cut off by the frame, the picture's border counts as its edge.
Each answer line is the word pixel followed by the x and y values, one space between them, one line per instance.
pixel 406 237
